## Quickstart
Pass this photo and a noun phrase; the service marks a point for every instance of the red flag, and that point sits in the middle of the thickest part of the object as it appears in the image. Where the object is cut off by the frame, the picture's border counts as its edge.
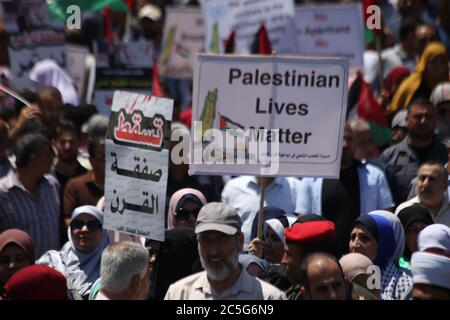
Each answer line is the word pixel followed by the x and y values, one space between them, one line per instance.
pixel 261 43
pixel 157 90
pixel 367 107
pixel 129 4
pixel 229 44
pixel 366 4
pixel 108 27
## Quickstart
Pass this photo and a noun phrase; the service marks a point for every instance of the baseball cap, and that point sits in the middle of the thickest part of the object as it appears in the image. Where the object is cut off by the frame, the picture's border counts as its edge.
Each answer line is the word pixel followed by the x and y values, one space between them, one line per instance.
pixel 399 120
pixel 217 216
pixel 151 12
pixel 441 93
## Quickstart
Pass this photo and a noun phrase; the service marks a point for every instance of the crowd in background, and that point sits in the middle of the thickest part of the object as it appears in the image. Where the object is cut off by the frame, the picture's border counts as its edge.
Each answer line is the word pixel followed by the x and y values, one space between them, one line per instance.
pixel 379 232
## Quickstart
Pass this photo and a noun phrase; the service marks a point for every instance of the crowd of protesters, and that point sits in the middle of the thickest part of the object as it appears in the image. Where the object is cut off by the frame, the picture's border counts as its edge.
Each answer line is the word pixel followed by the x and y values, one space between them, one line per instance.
pixel 381 231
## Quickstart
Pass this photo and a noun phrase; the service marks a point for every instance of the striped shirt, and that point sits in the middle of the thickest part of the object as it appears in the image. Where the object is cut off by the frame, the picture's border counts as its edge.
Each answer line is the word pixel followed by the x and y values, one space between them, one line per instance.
pixel 40 218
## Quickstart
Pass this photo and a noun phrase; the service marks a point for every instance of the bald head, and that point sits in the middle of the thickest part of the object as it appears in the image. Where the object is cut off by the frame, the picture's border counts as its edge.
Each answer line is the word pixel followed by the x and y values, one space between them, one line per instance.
pixel 322 278
pixel 50 103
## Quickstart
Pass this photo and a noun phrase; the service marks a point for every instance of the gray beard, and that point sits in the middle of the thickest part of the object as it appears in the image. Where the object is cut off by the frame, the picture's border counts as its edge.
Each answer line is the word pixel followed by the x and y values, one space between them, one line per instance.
pixel 219 274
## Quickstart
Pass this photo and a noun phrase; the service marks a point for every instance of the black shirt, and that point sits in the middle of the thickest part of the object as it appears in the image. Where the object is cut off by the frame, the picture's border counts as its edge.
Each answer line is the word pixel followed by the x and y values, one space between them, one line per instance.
pixel 341 203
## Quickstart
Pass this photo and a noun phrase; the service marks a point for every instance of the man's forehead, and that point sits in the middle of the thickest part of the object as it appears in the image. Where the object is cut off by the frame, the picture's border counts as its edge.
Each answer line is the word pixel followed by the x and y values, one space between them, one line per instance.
pixel 211 234
pixel 420 108
pixel 431 170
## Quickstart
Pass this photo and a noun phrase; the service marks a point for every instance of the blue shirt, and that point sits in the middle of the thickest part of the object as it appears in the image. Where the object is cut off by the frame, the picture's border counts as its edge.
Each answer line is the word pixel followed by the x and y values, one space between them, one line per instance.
pixel 242 193
pixel 40 218
pixel 373 188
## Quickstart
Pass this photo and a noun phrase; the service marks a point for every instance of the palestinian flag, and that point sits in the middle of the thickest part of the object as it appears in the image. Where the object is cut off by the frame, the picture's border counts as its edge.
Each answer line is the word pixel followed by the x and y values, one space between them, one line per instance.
pixel 157 90
pixel 230 43
pixel 362 103
pixel 261 42
pixel 58 8
pixel 226 123
pixel 369 34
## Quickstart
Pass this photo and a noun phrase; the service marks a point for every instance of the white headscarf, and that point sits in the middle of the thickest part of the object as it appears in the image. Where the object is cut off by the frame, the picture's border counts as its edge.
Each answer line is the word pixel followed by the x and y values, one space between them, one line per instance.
pixel 434 236
pixel 48 73
pixel 429 268
pixel 278 227
pixel 80 269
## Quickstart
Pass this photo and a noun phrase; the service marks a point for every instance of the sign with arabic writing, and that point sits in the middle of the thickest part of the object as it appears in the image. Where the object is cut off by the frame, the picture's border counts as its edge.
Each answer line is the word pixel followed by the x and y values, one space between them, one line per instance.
pixel 331 31
pixel 302 101
pixel 32 37
pixel 137 157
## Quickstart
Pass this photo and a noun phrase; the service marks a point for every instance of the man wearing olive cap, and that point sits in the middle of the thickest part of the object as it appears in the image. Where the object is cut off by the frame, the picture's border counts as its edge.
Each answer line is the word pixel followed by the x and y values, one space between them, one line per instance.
pixel 220 241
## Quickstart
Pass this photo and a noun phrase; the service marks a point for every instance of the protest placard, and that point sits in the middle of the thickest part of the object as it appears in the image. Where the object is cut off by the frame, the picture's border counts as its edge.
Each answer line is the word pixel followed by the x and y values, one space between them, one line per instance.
pixel 184 37
pixel 303 99
pixel 245 17
pixel 32 37
pixel 76 66
pixel 125 66
pixel 137 157
pixel 331 31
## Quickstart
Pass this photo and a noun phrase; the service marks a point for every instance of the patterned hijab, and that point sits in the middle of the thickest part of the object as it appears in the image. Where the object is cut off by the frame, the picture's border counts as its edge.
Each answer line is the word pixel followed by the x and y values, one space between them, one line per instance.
pixel 81 269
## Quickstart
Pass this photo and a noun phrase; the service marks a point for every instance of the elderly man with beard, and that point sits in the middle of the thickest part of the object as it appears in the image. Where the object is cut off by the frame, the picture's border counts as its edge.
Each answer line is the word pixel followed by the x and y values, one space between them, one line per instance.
pixel 419 146
pixel 220 241
pixel 431 187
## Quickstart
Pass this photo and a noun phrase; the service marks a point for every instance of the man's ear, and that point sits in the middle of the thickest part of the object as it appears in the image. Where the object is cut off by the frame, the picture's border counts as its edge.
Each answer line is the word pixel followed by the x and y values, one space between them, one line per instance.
pixel 241 241
pixel 305 293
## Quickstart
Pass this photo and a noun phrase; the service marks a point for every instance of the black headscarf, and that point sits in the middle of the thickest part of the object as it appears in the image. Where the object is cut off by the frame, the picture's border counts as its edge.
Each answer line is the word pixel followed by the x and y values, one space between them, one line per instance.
pixel 411 214
pixel 177 258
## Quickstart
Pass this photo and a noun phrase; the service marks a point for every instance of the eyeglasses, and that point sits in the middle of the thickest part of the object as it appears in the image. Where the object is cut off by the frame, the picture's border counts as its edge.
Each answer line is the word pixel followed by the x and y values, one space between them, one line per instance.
pixel 185 213
pixel 92 225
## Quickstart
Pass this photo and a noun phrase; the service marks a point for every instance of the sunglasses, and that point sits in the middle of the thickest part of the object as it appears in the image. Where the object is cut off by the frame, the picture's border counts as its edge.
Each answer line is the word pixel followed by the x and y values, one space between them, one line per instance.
pixel 92 225
pixel 185 213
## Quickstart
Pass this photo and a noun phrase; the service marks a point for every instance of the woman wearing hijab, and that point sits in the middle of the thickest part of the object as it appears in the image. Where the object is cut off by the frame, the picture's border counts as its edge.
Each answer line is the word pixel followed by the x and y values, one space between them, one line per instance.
pixel 176 258
pixel 431 70
pixel 16 252
pixel 356 271
pixel 184 207
pixel 79 259
pixel 253 265
pixel 379 236
pixel 414 219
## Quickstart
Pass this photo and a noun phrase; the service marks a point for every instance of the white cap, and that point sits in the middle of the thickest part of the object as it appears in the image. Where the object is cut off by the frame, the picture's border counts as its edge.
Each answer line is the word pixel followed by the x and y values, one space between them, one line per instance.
pixel 150 11
pixel 434 236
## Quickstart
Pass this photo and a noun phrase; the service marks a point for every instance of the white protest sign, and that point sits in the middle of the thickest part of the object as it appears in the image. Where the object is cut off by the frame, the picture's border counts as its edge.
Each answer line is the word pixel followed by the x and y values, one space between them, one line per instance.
pixel 331 31
pixel 137 157
pixel 245 17
pixel 184 37
pixel 76 66
pixel 304 99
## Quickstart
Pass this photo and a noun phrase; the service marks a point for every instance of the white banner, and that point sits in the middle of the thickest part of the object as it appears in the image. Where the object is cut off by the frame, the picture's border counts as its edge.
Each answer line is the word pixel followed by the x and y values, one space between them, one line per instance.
pixel 245 17
pixel 331 31
pixel 137 151
pixel 76 66
pixel 184 37
pixel 304 100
